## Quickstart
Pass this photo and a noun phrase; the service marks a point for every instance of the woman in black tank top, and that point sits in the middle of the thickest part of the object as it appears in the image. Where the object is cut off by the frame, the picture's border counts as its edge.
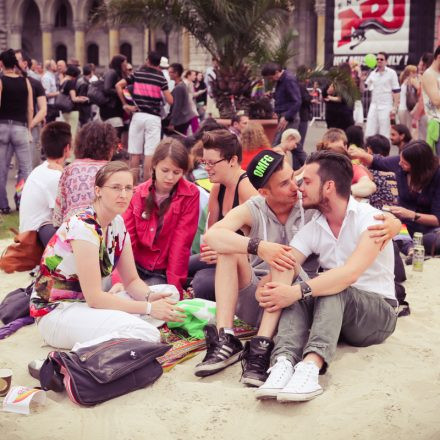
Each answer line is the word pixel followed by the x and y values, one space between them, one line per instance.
pixel 222 156
pixel 16 112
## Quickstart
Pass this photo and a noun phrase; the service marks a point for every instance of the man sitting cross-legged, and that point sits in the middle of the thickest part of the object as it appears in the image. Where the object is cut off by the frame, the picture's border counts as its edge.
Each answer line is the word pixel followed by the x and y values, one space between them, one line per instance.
pixel 353 298
pixel 270 221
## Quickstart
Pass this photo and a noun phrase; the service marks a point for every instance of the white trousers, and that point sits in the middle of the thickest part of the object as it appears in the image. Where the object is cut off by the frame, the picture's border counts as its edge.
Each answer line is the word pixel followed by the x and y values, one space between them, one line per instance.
pixel 144 133
pixel 76 325
pixel 378 121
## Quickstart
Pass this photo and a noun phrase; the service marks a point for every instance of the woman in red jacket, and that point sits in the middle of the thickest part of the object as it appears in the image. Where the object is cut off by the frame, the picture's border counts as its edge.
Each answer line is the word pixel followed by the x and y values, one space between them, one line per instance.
pixel 163 216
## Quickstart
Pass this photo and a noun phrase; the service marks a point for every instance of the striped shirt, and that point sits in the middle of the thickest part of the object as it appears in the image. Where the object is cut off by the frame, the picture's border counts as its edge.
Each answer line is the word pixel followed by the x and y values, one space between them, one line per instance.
pixel 148 84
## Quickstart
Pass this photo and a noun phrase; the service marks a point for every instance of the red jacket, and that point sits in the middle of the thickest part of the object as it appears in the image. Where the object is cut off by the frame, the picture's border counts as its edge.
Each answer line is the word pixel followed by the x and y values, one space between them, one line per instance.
pixel 171 249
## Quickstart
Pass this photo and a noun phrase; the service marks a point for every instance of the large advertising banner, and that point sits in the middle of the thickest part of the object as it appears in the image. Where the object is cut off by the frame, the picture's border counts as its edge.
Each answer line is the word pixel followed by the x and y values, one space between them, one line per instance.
pixel 370 26
pixel 402 28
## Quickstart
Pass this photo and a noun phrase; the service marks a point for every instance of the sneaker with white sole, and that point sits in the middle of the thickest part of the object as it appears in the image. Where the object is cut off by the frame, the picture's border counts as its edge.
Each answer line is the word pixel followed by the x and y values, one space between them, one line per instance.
pixel 303 385
pixel 280 374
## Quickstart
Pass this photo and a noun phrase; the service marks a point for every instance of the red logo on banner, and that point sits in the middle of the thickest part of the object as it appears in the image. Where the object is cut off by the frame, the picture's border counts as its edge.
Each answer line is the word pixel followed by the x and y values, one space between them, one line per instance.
pixel 354 27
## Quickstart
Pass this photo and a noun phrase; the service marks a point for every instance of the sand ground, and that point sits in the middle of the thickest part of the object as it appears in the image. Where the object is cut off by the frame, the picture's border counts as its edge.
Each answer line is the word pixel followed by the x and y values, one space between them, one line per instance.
pixel 388 391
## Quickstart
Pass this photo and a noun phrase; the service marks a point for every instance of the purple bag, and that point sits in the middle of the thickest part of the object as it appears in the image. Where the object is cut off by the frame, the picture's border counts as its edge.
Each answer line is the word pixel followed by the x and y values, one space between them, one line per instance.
pixel 101 372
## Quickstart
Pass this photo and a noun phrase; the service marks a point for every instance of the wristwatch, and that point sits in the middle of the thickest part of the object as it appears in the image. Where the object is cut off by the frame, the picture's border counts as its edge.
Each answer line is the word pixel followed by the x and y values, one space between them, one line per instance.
pixel 306 290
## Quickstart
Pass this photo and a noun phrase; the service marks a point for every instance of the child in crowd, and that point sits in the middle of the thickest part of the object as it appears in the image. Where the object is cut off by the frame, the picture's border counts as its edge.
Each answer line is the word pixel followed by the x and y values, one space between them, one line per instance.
pixel 162 218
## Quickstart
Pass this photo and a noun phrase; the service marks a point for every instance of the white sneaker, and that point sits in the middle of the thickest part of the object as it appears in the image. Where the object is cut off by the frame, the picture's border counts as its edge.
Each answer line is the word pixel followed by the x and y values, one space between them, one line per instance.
pixel 303 385
pixel 280 375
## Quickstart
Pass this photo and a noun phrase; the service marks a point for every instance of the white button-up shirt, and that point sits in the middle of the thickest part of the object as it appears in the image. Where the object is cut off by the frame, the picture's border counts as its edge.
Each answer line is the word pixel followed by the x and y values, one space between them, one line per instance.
pixel 50 85
pixel 316 237
pixel 383 85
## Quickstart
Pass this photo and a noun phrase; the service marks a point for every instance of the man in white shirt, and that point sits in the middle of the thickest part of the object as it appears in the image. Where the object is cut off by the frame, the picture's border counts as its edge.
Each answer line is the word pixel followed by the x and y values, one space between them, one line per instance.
pixel 50 86
pixel 385 94
pixel 40 189
pixel 353 298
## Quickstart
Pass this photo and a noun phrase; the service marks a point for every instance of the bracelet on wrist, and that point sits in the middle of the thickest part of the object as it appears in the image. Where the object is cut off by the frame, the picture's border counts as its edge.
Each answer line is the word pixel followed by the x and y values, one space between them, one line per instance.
pixel 148 310
pixel 252 247
pixel 147 295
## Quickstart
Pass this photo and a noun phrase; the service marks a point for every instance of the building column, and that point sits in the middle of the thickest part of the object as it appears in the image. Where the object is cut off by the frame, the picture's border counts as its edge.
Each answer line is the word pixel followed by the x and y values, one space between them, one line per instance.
pixel 320 32
pixel 146 43
pixel 46 40
pixel 113 40
pixel 186 53
pixel 80 42
pixel 15 37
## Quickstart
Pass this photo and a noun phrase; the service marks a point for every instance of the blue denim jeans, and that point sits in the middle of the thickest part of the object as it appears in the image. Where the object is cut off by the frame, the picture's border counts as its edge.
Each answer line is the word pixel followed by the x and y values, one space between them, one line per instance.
pixel 315 325
pixel 14 139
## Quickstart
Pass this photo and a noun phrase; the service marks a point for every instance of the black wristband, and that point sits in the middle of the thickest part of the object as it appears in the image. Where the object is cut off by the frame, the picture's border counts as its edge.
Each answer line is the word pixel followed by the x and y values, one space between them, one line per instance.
pixel 252 247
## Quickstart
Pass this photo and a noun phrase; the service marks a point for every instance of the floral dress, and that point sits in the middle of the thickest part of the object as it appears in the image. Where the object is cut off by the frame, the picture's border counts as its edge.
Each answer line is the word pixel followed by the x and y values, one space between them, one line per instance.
pixel 57 279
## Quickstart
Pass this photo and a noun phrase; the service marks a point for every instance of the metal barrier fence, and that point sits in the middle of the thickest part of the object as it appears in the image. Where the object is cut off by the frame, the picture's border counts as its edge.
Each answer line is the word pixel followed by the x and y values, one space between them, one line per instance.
pixel 318 104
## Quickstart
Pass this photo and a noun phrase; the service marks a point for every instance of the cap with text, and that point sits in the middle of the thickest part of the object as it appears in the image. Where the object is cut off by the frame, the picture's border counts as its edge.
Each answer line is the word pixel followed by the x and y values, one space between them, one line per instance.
pixel 262 166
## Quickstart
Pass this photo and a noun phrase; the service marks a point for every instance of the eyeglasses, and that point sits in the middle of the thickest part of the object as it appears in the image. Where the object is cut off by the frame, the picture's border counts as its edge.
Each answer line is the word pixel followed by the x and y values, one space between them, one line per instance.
pixel 119 189
pixel 209 164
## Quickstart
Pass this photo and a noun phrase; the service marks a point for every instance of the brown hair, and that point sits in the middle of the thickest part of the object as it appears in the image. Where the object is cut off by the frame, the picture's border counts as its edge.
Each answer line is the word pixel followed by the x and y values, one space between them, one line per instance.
pixel 253 137
pixel 330 136
pixel 105 172
pixel 55 137
pixel 175 150
pixel 406 72
pixel 96 140
pixel 224 142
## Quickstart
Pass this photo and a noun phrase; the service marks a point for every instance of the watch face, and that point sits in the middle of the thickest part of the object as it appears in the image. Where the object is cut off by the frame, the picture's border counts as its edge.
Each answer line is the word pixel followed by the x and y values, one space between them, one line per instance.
pixel 305 290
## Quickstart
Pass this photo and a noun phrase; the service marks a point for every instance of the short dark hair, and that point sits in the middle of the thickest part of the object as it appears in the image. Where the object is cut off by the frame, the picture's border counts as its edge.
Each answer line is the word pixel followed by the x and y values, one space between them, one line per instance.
pixel 178 68
pixel 336 167
pixel 96 140
pixel 154 58
pixel 73 71
pixel 54 137
pixel 385 55
pixel 237 118
pixel 402 129
pixel 427 59
pixel 270 69
pixel 355 135
pixel 87 70
pixel 223 141
pixel 437 52
pixel 379 144
pixel 25 56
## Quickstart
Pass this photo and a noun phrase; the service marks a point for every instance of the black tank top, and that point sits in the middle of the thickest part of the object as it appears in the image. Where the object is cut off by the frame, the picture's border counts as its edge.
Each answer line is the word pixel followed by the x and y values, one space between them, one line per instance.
pixel 14 99
pixel 221 196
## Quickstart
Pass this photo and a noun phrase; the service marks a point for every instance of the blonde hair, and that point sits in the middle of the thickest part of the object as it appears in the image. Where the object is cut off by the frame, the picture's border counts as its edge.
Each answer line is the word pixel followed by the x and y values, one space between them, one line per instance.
pixel 253 137
pixel 290 132
pixel 410 68
pixel 330 136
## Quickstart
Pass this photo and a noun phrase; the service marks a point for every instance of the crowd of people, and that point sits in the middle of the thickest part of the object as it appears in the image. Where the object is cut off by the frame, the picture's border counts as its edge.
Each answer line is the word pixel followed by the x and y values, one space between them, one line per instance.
pixel 304 248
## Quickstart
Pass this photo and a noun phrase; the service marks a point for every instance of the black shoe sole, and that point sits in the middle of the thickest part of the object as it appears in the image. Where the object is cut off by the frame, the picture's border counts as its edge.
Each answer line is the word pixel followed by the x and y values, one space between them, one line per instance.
pixel 203 370
pixel 251 381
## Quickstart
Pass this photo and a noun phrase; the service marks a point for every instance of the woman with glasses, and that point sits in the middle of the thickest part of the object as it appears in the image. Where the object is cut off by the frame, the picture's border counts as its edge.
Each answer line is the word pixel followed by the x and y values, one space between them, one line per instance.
pixel 69 304
pixel 94 147
pixel 162 218
pixel 222 155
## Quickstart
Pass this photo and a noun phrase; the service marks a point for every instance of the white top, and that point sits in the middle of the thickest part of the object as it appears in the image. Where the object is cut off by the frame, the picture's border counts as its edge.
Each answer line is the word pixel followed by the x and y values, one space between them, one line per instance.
pixel 431 110
pixel 38 197
pixel 402 102
pixel 50 85
pixel 316 237
pixel 382 85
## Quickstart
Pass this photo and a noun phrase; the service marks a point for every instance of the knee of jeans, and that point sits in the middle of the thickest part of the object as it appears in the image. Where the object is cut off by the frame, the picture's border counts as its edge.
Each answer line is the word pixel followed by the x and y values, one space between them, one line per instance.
pixel 204 284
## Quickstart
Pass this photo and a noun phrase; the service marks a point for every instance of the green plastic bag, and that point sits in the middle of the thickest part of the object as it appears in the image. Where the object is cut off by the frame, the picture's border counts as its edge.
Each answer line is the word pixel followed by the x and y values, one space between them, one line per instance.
pixel 199 313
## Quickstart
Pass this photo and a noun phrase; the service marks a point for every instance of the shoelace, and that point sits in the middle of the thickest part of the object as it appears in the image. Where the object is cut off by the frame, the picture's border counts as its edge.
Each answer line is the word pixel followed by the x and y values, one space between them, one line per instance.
pixel 301 374
pixel 255 362
pixel 283 371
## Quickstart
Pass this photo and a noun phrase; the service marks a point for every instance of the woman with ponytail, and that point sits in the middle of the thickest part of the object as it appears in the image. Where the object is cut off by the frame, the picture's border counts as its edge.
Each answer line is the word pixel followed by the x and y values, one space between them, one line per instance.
pixel 16 113
pixel 163 216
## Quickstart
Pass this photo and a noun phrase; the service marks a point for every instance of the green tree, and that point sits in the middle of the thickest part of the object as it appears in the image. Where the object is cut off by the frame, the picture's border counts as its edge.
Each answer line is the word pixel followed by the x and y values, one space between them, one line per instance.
pixel 234 32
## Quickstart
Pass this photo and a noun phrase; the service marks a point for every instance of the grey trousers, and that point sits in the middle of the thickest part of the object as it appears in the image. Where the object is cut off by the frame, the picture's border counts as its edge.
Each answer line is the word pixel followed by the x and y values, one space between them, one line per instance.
pixel 315 325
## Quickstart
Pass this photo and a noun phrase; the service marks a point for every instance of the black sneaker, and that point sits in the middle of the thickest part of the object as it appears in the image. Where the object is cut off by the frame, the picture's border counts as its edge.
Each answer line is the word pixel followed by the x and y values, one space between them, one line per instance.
pixel 255 361
pixel 222 349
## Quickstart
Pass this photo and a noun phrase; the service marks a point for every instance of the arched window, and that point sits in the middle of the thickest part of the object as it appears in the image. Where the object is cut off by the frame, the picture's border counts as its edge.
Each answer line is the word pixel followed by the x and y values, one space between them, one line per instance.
pixel 61 52
pixel 125 49
pixel 61 16
pixel 93 54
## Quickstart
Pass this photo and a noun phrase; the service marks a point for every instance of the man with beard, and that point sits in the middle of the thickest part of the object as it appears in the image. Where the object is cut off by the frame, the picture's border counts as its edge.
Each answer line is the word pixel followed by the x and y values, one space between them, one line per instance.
pixel 269 222
pixel 353 298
